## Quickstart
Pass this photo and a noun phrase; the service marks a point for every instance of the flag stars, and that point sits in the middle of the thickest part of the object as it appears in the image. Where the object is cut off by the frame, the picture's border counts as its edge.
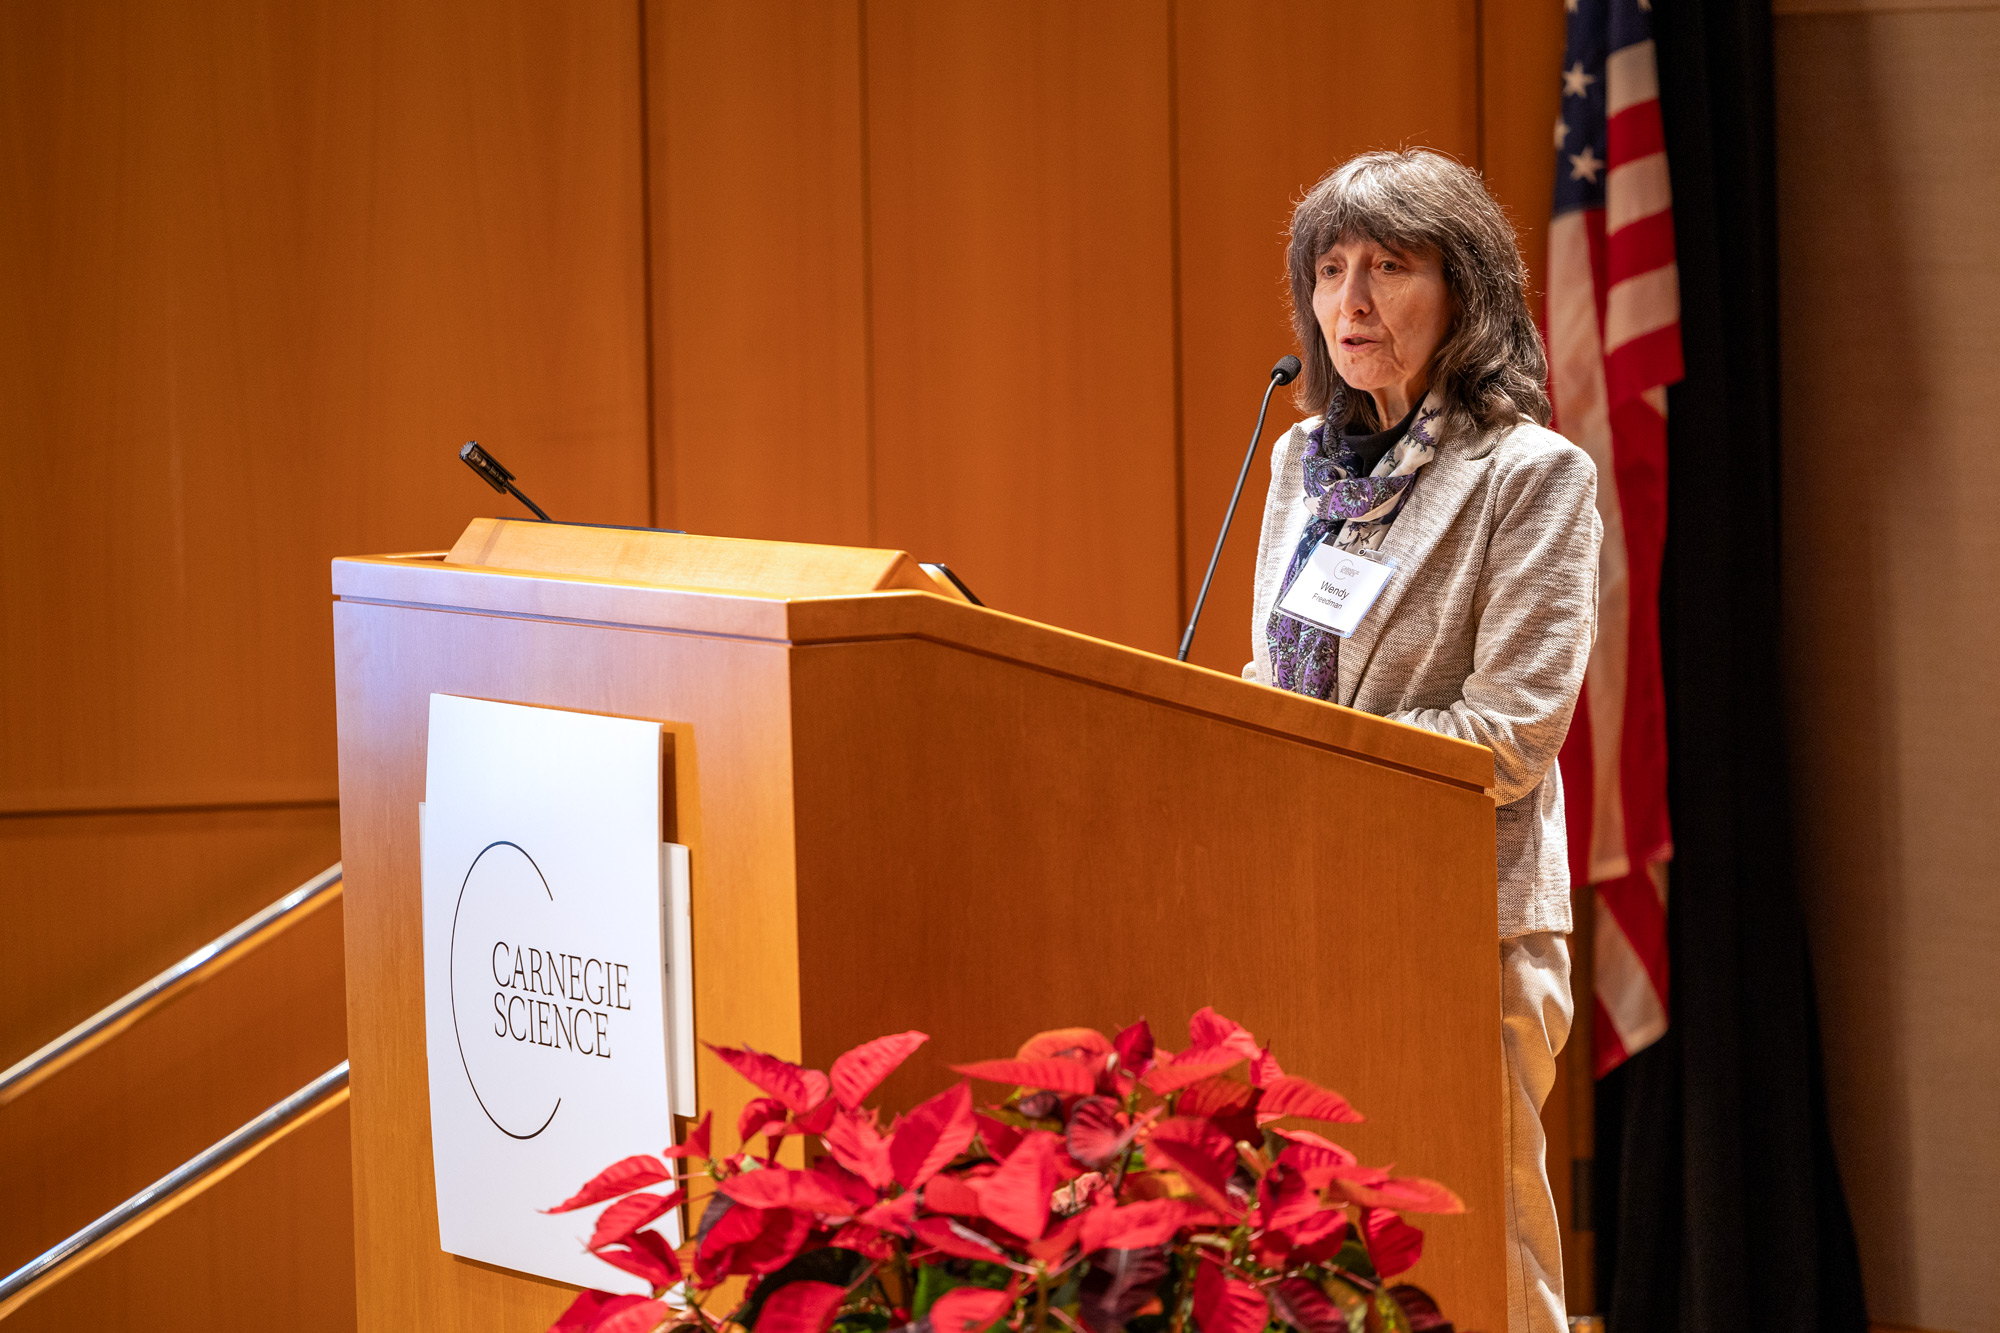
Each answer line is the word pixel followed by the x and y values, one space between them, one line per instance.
pixel 1584 166
pixel 1577 81
pixel 1562 133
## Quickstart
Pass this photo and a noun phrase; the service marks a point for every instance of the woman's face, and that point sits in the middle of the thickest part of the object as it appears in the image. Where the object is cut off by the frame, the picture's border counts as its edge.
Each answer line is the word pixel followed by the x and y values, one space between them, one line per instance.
pixel 1383 314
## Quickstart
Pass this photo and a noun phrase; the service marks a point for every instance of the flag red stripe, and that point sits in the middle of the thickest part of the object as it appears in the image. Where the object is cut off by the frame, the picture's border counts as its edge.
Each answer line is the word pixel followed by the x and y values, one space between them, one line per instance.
pixel 1635 904
pixel 1634 133
pixel 1640 247
pixel 1648 361
pixel 1639 444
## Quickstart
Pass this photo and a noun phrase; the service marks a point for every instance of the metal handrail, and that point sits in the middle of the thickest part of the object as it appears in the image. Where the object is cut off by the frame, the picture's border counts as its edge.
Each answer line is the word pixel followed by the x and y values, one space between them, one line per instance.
pixel 169 985
pixel 132 1214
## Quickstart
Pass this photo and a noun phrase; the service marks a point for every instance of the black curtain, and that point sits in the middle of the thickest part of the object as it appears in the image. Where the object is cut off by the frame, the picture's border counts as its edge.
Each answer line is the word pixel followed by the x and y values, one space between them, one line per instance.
pixel 1718 1199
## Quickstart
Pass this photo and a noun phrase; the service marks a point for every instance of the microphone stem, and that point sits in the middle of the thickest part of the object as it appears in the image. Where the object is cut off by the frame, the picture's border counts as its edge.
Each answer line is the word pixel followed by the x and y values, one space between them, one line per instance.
pixel 1187 639
pixel 515 491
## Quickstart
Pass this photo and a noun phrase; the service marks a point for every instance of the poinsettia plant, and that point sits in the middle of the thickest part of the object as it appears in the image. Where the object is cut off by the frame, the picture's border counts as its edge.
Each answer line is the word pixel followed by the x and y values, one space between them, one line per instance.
pixel 1118 1188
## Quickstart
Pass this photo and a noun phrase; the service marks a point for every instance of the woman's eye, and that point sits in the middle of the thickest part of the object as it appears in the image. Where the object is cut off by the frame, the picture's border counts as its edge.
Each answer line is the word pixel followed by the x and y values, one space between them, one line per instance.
pixel 1390 266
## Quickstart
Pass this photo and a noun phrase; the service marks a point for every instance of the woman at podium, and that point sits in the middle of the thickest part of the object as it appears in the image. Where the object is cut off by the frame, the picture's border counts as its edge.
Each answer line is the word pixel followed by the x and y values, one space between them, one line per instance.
pixel 1429 554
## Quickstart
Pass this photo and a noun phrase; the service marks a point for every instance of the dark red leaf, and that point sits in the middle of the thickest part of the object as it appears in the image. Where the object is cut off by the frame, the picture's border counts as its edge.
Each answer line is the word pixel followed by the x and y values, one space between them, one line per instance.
pixel 1394 1246
pixel 630 1213
pixel 856 1144
pixel 589 1307
pixel 961 1242
pixel 1097 1132
pixel 1135 1047
pixel 1077 1043
pixel 1162 1079
pixel 799 1089
pixel 759 1115
pixel 1306 1308
pixel 1056 1241
pixel 864 1240
pixel 1118 1285
pixel 800 1307
pixel 998 1136
pixel 1017 1195
pixel 969 1309
pixel 781 1187
pixel 945 1193
pixel 1224 1304
pixel 750 1240
pixel 1316 1239
pixel 640 1318
pixel 697 1141
pixel 1201 1154
pixel 1208 1028
pixel 647 1255
pixel 1285 1199
pixel 1292 1095
pixel 618 1178
pixel 1420 1309
pixel 931 1135
pixel 1138 1226
pixel 1054 1073
pixel 1264 1069
pixel 861 1070
pixel 816 1120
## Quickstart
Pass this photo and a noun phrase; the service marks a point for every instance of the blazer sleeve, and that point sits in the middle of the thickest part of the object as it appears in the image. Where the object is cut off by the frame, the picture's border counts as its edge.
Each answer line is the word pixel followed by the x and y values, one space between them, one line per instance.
pixel 1536 618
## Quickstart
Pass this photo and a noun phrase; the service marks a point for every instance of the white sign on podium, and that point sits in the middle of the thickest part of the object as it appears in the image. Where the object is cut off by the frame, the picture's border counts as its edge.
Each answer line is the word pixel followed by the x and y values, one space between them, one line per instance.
pixel 557 994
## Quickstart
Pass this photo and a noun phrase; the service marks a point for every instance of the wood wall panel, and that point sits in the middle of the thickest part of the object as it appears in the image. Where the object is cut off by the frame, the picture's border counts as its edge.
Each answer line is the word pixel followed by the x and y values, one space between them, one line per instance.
pixel 760 336
pixel 1261 118
pixel 110 900
pixel 100 1130
pixel 263 267
pixel 267 1248
pixel 1888 131
pixel 1020 179
pixel 1521 50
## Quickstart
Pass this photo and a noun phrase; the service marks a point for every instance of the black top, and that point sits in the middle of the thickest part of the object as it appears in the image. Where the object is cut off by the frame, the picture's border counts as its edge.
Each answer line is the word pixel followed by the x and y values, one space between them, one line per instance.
pixel 1372 447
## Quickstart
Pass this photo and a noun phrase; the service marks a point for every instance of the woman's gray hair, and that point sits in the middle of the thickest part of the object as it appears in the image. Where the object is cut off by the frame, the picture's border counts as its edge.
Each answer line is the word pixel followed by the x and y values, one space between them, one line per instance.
pixel 1491 366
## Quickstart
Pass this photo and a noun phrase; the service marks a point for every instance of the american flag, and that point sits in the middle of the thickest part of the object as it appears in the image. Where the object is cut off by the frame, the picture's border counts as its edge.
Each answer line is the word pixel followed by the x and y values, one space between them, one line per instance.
pixel 1614 346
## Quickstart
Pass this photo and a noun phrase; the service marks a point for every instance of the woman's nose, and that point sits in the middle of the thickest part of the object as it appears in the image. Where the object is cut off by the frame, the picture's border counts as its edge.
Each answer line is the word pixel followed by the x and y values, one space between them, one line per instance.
pixel 1357 297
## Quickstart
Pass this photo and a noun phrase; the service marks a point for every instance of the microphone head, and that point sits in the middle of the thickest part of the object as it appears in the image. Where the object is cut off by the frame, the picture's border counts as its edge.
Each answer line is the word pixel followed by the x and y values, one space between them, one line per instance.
pixel 486 465
pixel 1286 370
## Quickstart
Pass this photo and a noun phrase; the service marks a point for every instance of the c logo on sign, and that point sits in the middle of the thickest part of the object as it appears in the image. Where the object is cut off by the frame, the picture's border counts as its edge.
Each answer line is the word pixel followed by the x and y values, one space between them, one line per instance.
pixel 507 867
pixel 1346 569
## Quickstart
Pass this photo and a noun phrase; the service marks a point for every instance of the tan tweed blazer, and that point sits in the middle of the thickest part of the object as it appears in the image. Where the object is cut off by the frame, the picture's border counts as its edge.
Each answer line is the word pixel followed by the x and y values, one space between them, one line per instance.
pixel 1484 631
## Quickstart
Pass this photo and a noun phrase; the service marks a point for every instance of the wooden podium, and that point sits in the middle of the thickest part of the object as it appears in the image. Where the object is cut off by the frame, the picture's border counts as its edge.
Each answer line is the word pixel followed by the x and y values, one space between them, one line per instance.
pixel 906 811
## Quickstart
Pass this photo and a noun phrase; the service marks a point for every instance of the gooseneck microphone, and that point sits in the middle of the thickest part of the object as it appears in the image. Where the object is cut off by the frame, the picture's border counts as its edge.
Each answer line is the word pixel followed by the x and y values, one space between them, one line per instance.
pixel 500 479
pixel 1284 372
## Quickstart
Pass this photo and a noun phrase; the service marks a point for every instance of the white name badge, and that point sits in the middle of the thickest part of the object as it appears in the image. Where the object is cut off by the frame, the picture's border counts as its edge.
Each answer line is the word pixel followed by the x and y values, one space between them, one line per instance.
pixel 1336 588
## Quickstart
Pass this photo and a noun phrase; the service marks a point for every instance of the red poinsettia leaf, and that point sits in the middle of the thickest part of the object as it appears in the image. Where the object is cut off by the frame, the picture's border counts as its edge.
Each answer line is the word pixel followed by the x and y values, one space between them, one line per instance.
pixel 1097 1132
pixel 1056 1241
pixel 860 1194
pixel 800 1307
pixel 697 1141
pixel 893 1214
pixel 1316 1158
pixel 1264 1069
pixel 1408 1194
pixel 1316 1239
pixel 759 1115
pixel 856 1144
pixel 864 1240
pixel 945 1193
pixel 642 1317
pixel 816 1120
pixel 1138 1226
pixel 781 1187
pixel 799 1089
pixel 998 1136
pixel 1077 1043
pixel 589 1307
pixel 861 1070
pixel 1054 1073
pixel 1285 1199
pixel 630 1213
pixel 1202 1155
pixel 1224 1304
pixel 1017 1195
pixel 1292 1095
pixel 1420 1309
pixel 783 1232
pixel 1162 1079
pixel 1216 1098
pixel 969 1309
pixel 618 1178
pixel 1135 1047
pixel 1208 1028
pixel 1394 1246
pixel 647 1256
pixel 931 1135
pixel 1306 1308
pixel 952 1238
